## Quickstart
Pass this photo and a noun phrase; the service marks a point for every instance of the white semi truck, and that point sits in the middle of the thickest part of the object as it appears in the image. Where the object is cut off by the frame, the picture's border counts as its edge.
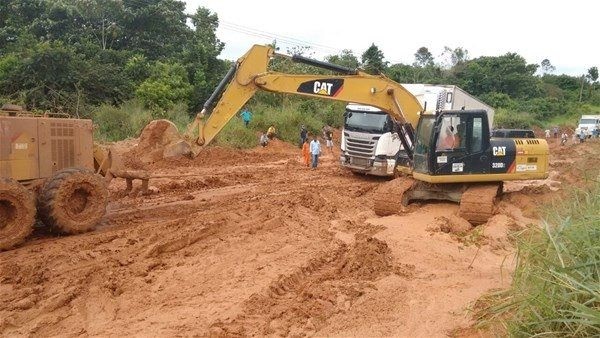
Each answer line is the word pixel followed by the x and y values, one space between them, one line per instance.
pixel 370 143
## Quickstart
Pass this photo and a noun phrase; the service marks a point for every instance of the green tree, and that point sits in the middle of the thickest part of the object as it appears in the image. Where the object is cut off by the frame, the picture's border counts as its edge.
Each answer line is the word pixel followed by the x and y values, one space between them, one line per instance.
pixel 592 76
pixel 50 77
pixel 402 73
pixel 157 28
pixel 346 58
pixel 547 67
pixel 423 58
pixel 509 74
pixel 103 20
pixel 452 57
pixel 372 60
pixel 498 100
pixel 204 69
pixel 167 85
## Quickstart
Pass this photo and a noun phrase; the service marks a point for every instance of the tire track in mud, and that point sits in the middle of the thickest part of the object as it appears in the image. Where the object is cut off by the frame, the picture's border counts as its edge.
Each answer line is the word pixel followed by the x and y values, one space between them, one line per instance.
pixel 299 303
pixel 280 220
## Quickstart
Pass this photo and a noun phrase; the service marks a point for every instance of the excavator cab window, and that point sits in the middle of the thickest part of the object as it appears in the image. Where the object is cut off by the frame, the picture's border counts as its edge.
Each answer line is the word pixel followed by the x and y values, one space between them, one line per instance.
pixel 452 133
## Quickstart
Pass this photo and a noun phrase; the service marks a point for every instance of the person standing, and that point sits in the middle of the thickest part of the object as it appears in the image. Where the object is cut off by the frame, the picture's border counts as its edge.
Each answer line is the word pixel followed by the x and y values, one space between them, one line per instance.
pixel 547 133
pixel 555 132
pixel 563 138
pixel 315 151
pixel 306 152
pixel 246 117
pixel 303 135
pixel 581 136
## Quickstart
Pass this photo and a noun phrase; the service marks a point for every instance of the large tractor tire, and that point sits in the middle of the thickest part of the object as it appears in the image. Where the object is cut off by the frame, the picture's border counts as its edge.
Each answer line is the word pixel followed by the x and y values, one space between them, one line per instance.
pixel 73 201
pixel 17 213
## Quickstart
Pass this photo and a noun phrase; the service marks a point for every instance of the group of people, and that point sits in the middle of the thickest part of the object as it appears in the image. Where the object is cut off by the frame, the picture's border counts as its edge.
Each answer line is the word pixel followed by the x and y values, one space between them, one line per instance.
pixel 564 137
pixel 312 150
pixel 266 137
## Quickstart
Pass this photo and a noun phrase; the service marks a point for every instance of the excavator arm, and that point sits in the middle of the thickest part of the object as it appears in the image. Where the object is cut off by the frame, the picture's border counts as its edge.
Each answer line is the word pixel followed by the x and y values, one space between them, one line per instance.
pixel 250 74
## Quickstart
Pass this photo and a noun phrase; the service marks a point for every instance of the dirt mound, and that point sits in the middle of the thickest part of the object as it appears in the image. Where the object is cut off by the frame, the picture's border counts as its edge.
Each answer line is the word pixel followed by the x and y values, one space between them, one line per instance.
pixel 367 259
pixel 277 145
pixel 451 224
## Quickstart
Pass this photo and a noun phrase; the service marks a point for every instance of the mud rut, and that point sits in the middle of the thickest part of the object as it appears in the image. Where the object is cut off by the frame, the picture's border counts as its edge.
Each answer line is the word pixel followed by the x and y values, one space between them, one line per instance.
pixel 255 245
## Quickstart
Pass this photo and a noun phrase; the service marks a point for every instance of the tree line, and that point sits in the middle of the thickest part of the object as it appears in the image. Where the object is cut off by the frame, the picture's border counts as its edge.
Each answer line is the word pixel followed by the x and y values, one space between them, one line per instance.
pixel 73 55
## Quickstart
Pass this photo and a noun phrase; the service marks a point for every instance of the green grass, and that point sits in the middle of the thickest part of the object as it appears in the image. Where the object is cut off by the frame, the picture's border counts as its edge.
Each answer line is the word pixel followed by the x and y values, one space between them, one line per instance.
pixel 118 123
pixel 128 120
pixel 571 119
pixel 287 119
pixel 556 285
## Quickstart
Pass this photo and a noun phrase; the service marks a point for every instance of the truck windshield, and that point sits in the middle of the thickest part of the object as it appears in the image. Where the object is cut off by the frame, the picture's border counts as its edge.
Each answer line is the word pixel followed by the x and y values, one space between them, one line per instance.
pixel 587 121
pixel 366 122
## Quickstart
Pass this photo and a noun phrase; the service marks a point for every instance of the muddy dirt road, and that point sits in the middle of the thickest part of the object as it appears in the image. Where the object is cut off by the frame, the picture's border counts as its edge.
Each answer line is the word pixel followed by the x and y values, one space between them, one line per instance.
pixel 252 243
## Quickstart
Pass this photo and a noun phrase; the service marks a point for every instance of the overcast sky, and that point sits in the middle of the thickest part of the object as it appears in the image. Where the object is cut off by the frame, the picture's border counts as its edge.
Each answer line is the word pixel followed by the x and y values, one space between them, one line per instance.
pixel 565 32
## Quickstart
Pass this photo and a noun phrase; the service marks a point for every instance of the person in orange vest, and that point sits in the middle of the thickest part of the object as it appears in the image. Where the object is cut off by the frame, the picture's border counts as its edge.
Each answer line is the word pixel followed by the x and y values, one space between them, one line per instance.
pixel 306 152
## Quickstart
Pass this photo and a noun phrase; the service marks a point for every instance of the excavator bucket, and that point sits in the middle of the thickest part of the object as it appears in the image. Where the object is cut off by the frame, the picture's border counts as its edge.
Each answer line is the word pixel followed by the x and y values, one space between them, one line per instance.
pixel 161 139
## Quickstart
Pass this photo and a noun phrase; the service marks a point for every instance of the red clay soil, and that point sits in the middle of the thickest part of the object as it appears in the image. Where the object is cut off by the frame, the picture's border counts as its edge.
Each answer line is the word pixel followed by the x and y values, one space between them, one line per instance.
pixel 251 243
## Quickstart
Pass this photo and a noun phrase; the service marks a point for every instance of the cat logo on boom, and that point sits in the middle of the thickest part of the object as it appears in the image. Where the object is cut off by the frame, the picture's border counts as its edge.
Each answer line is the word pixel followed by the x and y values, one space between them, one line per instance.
pixel 325 87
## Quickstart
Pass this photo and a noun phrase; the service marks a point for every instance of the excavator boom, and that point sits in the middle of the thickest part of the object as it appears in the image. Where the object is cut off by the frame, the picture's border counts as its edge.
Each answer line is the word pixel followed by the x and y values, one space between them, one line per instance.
pixel 250 74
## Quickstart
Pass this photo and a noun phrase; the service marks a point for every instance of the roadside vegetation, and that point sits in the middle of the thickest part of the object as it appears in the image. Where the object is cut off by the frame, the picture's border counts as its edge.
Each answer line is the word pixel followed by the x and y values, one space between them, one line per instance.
pixel 556 286
pixel 124 62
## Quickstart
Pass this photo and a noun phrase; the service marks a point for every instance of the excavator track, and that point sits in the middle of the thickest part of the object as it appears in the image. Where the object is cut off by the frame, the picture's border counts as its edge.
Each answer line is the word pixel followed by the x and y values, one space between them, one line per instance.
pixel 389 198
pixel 478 202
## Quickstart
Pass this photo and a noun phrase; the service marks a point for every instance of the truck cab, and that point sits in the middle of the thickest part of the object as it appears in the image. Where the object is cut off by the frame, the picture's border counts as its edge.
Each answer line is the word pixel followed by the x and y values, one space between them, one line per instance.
pixel 369 141
pixel 589 125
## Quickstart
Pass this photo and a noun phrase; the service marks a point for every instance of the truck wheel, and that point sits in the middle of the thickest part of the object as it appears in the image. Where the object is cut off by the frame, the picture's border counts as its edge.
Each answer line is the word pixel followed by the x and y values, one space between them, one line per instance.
pixel 73 201
pixel 17 213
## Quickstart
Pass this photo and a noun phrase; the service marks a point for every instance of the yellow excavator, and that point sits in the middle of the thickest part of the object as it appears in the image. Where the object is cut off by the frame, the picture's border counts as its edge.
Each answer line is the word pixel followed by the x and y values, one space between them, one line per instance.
pixel 451 155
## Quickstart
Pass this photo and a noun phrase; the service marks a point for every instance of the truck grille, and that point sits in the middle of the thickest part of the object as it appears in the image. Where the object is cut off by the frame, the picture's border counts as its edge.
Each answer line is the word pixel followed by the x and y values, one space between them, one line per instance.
pixel 360 147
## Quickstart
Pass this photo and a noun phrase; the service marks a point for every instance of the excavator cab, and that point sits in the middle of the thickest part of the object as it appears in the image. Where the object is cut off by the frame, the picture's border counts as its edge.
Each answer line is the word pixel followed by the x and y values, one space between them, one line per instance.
pixel 452 143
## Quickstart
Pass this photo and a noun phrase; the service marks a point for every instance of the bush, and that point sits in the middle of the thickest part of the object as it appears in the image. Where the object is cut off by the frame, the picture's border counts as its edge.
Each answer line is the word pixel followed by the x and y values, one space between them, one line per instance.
pixel 236 135
pixel 167 86
pixel 498 100
pixel 128 120
pixel 510 119
pixel 118 123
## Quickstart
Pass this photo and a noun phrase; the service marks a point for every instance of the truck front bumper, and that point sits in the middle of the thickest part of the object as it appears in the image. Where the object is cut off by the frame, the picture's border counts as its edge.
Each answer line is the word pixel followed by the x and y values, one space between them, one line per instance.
pixel 377 167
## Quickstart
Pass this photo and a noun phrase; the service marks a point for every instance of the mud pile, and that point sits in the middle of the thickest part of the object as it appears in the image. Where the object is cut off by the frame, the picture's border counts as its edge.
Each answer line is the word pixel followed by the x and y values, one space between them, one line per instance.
pixel 301 302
